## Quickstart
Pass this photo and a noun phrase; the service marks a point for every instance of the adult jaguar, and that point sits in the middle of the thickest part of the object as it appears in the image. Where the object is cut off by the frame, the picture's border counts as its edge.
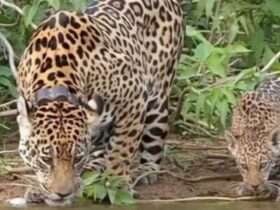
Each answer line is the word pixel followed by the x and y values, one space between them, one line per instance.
pixel 94 90
pixel 254 138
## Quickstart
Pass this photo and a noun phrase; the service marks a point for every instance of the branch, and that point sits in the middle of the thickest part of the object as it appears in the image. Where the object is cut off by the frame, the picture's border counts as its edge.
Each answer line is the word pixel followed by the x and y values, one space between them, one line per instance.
pixel 8 113
pixel 15 7
pixel 8 152
pixel 203 198
pixel 271 62
pixel 7 104
pixel 11 54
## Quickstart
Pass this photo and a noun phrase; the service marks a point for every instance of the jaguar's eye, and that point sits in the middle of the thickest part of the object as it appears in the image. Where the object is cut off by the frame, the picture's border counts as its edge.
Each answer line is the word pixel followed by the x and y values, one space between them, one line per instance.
pixel 47 160
pixel 264 165
pixel 78 159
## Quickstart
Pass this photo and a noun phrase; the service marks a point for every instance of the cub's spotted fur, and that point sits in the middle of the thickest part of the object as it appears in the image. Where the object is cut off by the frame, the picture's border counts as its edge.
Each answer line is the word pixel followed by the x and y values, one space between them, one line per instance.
pixel 254 138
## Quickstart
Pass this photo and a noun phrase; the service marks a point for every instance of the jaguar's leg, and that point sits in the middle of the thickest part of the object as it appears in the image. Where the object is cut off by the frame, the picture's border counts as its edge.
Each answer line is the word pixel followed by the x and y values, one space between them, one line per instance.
pixel 152 144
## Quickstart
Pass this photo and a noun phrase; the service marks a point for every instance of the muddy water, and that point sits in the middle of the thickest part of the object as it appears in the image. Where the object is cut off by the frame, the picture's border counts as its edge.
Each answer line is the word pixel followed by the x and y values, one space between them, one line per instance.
pixel 177 206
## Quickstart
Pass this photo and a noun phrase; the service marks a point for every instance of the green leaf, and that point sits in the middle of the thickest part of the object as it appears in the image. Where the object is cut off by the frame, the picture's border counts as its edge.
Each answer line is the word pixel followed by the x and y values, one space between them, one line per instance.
pixel 112 195
pixel 216 64
pixel 79 5
pixel 123 197
pixel 55 3
pixel 30 11
pixel 90 178
pixel 273 6
pixel 209 7
pixel 193 33
pixel 257 43
pixel 5 71
pixel 237 48
pixel 99 191
pixel 229 95
pixel 203 51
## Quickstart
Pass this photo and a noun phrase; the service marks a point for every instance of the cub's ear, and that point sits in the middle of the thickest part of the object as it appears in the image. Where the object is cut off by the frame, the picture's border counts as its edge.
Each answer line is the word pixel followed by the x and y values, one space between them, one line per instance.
pixel 231 142
pixel 275 139
pixel 95 108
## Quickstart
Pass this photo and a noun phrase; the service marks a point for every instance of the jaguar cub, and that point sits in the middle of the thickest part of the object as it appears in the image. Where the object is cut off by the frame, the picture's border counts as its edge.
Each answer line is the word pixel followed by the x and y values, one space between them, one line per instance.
pixel 254 138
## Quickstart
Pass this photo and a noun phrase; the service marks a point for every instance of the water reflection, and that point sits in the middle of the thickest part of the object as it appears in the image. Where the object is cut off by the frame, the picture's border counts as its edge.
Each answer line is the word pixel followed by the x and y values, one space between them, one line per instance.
pixel 177 206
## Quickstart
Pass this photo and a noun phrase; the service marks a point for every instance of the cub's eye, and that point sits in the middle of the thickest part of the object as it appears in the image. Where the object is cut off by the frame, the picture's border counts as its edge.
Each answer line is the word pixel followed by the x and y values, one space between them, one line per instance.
pixel 244 166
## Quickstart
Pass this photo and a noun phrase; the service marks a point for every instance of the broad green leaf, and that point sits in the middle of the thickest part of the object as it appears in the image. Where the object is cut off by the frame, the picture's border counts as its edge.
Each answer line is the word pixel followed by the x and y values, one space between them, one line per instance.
pixel 233 30
pixel 100 191
pixel 209 7
pixel 30 12
pixel 203 51
pixel 112 195
pixel 90 178
pixel 229 95
pixel 273 6
pixel 55 4
pixel 193 33
pixel 237 48
pixel 216 65
pixel 79 5
pixel 123 197
pixel 5 71
pixel 257 43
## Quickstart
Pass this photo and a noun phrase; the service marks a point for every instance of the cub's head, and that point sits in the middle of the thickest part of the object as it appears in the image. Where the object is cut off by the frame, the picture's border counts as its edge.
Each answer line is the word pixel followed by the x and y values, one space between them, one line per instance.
pixel 55 143
pixel 254 141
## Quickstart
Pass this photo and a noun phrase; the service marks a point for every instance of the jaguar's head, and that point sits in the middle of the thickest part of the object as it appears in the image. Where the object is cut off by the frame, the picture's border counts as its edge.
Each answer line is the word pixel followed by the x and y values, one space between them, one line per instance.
pixel 55 143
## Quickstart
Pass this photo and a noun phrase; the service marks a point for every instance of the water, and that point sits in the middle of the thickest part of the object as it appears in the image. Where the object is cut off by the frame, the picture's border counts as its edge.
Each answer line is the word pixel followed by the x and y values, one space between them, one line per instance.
pixel 174 206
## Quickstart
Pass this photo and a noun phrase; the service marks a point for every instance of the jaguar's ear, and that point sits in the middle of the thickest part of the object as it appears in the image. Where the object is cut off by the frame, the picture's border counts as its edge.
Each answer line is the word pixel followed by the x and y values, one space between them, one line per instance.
pixel 23 107
pixel 23 118
pixel 231 142
pixel 95 108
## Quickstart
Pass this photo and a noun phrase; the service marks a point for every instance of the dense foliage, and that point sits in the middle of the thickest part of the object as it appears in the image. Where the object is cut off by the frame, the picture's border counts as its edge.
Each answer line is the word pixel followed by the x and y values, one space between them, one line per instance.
pixel 228 43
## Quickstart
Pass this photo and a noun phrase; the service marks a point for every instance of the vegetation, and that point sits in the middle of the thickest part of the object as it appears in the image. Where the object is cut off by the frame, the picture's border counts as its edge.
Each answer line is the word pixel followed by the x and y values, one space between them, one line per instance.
pixel 229 49
pixel 104 187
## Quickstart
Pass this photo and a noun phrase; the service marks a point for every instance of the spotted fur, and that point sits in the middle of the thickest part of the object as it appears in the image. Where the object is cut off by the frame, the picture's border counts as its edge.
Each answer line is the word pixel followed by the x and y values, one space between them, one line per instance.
pixel 254 138
pixel 118 59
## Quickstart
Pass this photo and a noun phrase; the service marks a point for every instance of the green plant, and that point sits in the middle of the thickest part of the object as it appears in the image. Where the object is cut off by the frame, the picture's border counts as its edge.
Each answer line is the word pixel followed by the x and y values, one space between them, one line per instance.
pixel 101 187
pixel 227 44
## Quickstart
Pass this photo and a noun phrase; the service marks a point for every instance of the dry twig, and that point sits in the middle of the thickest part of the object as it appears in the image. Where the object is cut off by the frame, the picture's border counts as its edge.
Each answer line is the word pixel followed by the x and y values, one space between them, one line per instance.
pixel 195 146
pixel 18 170
pixel 8 152
pixel 8 113
pixel 7 104
pixel 203 198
